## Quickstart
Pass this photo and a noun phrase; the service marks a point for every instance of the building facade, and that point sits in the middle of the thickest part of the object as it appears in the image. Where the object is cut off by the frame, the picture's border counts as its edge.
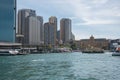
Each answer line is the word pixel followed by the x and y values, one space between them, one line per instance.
pixel 34 31
pixel 53 22
pixel 23 24
pixel 30 27
pixel 49 38
pixel 101 43
pixel 40 18
pixel 58 35
pixel 7 20
pixel 65 30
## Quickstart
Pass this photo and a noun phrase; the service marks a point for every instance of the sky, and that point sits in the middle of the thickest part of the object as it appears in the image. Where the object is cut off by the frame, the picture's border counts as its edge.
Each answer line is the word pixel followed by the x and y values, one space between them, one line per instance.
pixel 100 18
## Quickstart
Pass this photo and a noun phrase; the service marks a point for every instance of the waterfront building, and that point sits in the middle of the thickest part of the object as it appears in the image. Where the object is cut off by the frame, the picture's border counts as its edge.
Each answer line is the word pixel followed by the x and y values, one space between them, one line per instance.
pixel 53 22
pixel 19 38
pixel 9 46
pixel 30 28
pixel 34 30
pixel 65 30
pixel 23 28
pixel 101 43
pixel 7 20
pixel 40 18
pixel 49 37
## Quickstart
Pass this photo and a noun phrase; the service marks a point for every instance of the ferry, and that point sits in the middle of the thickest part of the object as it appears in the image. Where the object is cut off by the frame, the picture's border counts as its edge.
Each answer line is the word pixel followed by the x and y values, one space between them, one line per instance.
pixel 12 52
pixel 7 52
pixel 117 52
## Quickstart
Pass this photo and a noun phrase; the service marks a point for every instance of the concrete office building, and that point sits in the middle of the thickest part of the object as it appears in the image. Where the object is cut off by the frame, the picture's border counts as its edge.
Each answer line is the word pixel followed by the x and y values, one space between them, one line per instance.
pixel 31 27
pixel 58 35
pixel 23 28
pixel 40 18
pixel 49 38
pixel 7 20
pixel 53 22
pixel 65 30
pixel 46 33
pixel 34 30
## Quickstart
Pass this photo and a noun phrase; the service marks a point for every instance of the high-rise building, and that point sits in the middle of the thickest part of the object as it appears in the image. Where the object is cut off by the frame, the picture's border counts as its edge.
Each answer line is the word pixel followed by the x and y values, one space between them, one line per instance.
pixel 53 22
pixel 40 18
pixel 49 38
pixel 34 30
pixel 7 20
pixel 58 35
pixel 46 33
pixel 65 30
pixel 23 24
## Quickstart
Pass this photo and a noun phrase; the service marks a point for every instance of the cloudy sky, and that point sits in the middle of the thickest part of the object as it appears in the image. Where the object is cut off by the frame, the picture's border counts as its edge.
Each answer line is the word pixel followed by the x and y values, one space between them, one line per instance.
pixel 100 18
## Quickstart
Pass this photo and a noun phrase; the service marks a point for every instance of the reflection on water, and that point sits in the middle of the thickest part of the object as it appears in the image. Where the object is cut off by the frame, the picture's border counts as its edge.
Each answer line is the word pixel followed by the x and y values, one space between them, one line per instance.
pixel 70 66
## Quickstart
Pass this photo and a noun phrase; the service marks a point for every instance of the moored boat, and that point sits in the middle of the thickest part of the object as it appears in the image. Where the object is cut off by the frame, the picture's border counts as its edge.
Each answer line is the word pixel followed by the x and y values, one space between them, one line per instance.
pixel 117 52
pixel 12 52
pixel 5 52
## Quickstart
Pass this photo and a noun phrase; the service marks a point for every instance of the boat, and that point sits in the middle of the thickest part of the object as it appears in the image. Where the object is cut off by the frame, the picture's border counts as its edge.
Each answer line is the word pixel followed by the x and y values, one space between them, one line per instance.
pixel 117 52
pixel 12 52
pixel 21 52
pixel 6 52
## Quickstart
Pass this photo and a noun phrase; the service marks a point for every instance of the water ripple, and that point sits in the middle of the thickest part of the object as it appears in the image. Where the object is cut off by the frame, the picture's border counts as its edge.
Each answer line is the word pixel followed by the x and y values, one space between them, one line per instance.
pixel 74 66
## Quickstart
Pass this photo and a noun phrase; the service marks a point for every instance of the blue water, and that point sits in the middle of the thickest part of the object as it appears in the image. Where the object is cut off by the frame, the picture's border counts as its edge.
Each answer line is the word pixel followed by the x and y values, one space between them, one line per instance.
pixel 69 66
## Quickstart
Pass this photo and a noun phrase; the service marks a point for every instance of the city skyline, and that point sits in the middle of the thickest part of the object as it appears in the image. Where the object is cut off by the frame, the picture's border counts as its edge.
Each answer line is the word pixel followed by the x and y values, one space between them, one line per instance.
pixel 98 18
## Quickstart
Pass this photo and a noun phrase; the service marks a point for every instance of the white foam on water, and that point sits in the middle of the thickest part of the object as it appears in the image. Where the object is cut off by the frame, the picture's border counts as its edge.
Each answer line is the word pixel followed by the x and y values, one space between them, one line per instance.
pixel 38 60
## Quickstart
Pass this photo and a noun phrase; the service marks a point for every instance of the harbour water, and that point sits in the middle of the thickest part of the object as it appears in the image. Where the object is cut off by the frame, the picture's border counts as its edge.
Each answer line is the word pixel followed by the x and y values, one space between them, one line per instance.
pixel 67 66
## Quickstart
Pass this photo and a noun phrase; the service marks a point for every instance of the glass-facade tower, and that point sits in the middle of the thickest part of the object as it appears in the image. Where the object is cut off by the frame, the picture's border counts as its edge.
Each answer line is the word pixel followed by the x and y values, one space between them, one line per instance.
pixel 7 20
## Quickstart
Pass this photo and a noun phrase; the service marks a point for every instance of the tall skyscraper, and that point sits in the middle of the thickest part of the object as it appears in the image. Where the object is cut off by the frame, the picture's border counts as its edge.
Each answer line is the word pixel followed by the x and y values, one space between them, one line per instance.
pixel 40 18
pixel 65 30
pixel 7 20
pixel 58 35
pixel 49 38
pixel 53 22
pixel 34 31
pixel 30 26
pixel 46 33
pixel 23 23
